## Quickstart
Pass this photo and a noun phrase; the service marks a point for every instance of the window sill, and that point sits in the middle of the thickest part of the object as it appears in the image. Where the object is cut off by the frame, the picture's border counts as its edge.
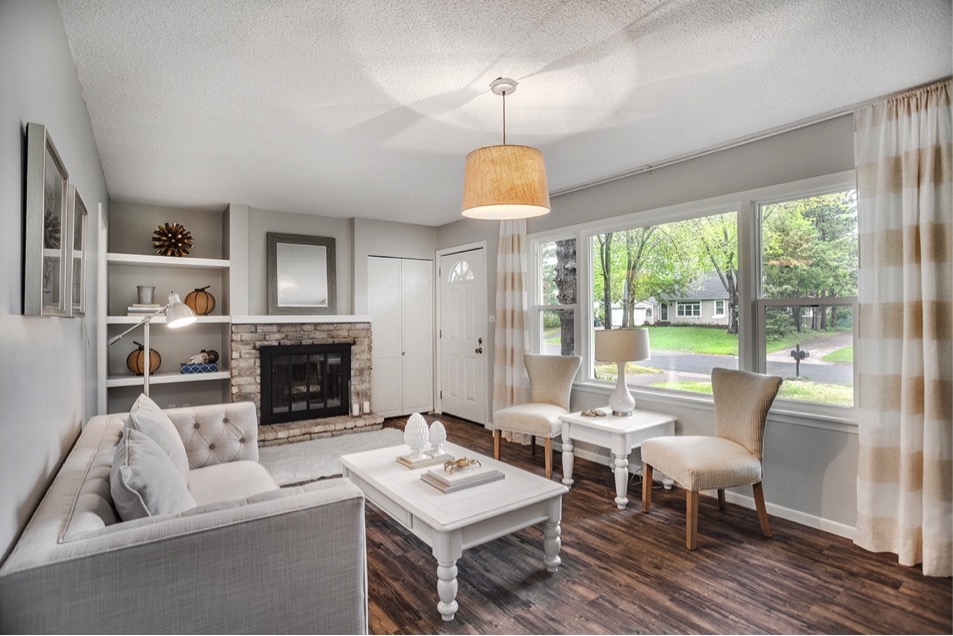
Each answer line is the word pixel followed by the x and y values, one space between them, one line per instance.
pixel 785 411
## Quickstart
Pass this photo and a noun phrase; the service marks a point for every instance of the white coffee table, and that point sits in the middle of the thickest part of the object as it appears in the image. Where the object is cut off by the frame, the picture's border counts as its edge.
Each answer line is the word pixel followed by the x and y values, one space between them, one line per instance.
pixel 452 522
pixel 620 434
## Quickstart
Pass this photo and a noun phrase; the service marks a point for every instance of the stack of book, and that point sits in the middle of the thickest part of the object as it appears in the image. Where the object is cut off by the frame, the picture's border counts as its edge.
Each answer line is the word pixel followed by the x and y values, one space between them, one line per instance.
pixel 142 310
pixel 461 478
pixel 428 458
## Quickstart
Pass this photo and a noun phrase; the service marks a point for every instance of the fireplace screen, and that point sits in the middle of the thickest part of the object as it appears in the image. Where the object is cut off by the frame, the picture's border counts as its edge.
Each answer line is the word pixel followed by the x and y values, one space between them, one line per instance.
pixel 302 382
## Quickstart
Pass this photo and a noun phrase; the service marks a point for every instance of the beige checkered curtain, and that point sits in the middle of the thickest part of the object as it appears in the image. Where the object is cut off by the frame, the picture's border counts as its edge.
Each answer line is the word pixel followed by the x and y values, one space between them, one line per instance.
pixel 902 150
pixel 510 382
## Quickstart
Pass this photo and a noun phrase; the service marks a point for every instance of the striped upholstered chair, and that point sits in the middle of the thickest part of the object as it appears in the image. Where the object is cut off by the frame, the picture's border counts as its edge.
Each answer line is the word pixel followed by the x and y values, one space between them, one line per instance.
pixel 730 458
pixel 550 383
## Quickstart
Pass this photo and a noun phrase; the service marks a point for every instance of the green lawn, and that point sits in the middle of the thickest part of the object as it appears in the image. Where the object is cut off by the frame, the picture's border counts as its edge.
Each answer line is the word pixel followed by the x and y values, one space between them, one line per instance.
pixel 790 390
pixel 844 354
pixel 711 340
pixel 817 338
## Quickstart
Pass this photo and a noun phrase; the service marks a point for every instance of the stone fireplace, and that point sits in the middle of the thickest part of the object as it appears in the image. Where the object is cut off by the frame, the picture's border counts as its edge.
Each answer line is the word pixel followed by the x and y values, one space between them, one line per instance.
pixel 249 335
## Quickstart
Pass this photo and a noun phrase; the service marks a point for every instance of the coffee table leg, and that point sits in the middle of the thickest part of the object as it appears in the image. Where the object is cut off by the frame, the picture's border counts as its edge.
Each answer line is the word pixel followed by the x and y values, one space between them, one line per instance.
pixel 621 480
pixel 551 532
pixel 447 548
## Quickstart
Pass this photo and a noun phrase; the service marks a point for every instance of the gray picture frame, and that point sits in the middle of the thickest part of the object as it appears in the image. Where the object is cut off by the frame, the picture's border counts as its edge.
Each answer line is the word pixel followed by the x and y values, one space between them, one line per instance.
pixel 47 253
pixel 302 274
pixel 79 222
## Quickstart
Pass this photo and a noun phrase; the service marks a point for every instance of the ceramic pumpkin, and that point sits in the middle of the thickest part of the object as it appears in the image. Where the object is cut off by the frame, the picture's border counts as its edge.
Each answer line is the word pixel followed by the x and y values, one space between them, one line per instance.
pixel 200 301
pixel 135 361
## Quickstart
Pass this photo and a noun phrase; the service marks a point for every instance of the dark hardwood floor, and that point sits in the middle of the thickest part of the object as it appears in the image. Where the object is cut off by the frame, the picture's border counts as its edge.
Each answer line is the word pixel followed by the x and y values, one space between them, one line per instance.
pixel 624 572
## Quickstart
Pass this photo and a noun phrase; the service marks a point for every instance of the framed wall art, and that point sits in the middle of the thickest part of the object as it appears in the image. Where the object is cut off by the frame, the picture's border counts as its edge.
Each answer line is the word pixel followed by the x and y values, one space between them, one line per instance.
pixel 78 219
pixel 47 253
pixel 302 274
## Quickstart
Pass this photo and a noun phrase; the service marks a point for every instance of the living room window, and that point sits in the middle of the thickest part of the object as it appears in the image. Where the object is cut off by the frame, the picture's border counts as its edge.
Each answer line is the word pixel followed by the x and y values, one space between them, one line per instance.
pixel 636 271
pixel 556 298
pixel 737 281
pixel 806 315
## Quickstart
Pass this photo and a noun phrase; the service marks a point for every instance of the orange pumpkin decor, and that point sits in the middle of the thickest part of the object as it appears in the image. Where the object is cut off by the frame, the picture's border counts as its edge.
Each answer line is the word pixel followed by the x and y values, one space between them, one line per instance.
pixel 200 301
pixel 136 360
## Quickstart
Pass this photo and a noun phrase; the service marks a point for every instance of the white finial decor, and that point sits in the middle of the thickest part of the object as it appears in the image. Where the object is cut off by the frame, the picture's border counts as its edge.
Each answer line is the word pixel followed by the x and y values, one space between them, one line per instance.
pixel 438 435
pixel 416 436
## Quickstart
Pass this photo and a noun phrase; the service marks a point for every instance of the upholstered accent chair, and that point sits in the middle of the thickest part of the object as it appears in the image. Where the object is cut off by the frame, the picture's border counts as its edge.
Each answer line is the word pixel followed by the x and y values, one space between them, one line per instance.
pixel 730 458
pixel 550 381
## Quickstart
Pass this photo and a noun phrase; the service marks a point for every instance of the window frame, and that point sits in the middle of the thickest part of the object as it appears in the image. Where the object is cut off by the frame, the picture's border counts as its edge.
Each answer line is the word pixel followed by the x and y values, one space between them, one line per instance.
pixel 696 306
pixel 715 312
pixel 751 339
pixel 535 306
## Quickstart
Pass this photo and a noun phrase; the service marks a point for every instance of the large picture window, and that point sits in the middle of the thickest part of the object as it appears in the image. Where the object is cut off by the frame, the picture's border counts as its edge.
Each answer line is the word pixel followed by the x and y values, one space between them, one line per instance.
pixel 638 272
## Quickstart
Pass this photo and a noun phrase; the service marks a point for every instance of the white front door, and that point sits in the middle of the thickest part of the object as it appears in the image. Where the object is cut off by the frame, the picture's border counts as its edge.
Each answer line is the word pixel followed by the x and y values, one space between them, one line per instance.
pixel 463 338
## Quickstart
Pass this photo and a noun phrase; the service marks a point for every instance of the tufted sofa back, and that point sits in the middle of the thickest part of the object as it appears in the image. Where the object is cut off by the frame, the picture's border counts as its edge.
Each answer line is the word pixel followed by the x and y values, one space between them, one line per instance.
pixel 217 433
pixel 213 434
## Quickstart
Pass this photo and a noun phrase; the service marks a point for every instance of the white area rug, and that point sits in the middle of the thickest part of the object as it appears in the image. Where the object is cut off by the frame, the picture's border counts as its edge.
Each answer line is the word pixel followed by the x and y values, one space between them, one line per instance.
pixel 318 458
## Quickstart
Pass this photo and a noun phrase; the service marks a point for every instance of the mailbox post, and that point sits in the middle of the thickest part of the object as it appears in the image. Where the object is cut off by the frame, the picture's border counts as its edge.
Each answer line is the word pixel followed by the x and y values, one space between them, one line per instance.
pixel 798 355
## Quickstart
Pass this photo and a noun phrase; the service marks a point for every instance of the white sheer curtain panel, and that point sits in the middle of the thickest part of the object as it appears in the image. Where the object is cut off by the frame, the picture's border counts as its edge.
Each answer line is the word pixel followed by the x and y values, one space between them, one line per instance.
pixel 902 149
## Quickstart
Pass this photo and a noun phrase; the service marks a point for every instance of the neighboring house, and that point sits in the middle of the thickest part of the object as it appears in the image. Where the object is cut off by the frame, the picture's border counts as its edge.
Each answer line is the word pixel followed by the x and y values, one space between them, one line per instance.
pixel 645 313
pixel 706 303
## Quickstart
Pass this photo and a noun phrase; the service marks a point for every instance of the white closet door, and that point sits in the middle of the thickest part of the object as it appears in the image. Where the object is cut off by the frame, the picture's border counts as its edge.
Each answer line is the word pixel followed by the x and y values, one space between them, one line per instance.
pixel 384 307
pixel 400 302
pixel 417 319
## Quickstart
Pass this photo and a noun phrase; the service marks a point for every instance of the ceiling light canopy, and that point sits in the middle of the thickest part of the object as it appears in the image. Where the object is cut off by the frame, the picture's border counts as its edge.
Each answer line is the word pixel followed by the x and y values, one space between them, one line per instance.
pixel 505 182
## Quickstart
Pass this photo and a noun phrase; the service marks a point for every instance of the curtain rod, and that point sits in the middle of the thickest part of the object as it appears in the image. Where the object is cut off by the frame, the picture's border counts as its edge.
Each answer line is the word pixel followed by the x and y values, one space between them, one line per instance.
pixel 740 141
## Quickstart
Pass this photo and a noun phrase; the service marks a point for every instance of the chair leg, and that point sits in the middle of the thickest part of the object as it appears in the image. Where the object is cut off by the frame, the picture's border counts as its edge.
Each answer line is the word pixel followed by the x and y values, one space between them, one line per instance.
pixel 533 444
pixel 691 518
pixel 549 457
pixel 646 487
pixel 762 511
pixel 497 436
pixel 721 499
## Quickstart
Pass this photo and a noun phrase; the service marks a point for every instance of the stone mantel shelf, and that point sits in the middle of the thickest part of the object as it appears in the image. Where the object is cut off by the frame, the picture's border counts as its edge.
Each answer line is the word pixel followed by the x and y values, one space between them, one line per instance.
pixel 289 320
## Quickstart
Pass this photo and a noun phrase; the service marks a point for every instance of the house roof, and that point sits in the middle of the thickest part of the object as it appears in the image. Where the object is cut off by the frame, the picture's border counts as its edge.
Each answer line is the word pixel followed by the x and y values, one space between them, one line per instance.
pixel 368 109
pixel 708 287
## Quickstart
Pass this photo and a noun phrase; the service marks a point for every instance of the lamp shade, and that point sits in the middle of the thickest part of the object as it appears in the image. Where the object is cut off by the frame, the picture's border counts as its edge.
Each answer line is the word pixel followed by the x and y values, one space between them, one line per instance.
pixel 622 345
pixel 177 313
pixel 505 182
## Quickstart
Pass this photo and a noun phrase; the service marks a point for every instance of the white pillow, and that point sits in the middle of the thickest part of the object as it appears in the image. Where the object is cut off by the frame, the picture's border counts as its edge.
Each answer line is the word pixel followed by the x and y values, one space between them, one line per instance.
pixel 143 480
pixel 146 417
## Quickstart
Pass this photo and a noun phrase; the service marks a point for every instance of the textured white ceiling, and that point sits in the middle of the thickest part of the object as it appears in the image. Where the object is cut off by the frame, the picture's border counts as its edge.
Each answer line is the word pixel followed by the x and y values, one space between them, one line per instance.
pixel 367 107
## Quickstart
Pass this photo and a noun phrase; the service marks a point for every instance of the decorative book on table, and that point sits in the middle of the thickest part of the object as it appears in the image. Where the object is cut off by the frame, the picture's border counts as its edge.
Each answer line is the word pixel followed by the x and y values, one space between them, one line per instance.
pixel 428 459
pixel 461 478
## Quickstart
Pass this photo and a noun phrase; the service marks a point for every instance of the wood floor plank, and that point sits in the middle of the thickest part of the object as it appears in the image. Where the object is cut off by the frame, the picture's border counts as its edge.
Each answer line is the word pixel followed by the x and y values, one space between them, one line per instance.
pixel 628 572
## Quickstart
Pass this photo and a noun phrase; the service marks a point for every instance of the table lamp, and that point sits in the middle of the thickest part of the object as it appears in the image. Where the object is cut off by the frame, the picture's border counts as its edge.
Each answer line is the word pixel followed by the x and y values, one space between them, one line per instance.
pixel 621 346
pixel 177 314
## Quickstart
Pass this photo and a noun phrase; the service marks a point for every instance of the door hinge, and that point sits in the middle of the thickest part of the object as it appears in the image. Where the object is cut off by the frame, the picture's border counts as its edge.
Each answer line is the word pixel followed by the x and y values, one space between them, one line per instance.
pixel 441 394
pixel 441 333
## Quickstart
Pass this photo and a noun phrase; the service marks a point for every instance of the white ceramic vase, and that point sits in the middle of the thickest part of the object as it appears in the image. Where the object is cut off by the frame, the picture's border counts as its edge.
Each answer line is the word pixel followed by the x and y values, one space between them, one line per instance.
pixel 416 436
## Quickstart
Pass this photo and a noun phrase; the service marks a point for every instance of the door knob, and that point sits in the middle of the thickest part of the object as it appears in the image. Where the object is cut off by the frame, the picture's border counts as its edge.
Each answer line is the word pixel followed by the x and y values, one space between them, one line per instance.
pixel 480 348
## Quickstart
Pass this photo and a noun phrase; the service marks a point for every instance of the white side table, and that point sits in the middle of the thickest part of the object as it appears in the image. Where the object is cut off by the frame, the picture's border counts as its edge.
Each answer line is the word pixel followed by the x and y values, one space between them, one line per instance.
pixel 619 434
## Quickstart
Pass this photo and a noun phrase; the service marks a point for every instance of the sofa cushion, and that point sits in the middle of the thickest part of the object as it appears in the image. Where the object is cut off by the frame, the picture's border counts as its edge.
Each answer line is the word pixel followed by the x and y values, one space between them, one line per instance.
pixel 146 417
pixel 144 482
pixel 224 482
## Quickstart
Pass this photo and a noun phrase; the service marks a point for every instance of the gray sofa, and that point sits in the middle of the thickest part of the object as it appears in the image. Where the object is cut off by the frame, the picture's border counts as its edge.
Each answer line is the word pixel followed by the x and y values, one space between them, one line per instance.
pixel 249 557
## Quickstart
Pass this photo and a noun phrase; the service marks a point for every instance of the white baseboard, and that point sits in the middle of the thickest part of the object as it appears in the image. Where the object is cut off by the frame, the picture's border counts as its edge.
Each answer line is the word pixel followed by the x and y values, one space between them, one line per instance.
pixel 803 518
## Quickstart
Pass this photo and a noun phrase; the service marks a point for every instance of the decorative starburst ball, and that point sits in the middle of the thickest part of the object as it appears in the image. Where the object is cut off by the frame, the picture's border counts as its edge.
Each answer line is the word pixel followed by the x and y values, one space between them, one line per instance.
pixel 172 240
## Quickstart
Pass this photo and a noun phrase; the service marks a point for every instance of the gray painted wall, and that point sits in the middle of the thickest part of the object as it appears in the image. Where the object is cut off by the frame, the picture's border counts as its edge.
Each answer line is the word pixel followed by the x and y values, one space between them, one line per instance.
pixel 385 238
pixel 46 385
pixel 811 469
pixel 260 222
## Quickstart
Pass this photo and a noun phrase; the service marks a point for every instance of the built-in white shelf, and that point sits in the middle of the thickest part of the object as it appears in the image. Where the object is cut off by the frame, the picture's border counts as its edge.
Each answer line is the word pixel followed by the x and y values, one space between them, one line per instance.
pixel 166 378
pixel 166 261
pixel 159 320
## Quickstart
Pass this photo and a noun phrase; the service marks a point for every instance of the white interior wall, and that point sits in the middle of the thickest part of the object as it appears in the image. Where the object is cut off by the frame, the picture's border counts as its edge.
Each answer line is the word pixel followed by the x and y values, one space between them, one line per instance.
pixel 811 467
pixel 48 364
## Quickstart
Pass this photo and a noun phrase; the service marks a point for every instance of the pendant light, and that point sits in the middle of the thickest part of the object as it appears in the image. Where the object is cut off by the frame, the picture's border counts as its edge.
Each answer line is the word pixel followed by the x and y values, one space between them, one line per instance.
pixel 505 182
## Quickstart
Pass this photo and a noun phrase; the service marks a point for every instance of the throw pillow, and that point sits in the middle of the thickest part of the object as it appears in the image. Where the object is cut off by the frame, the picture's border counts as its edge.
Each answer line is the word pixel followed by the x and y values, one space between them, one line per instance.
pixel 143 480
pixel 146 417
